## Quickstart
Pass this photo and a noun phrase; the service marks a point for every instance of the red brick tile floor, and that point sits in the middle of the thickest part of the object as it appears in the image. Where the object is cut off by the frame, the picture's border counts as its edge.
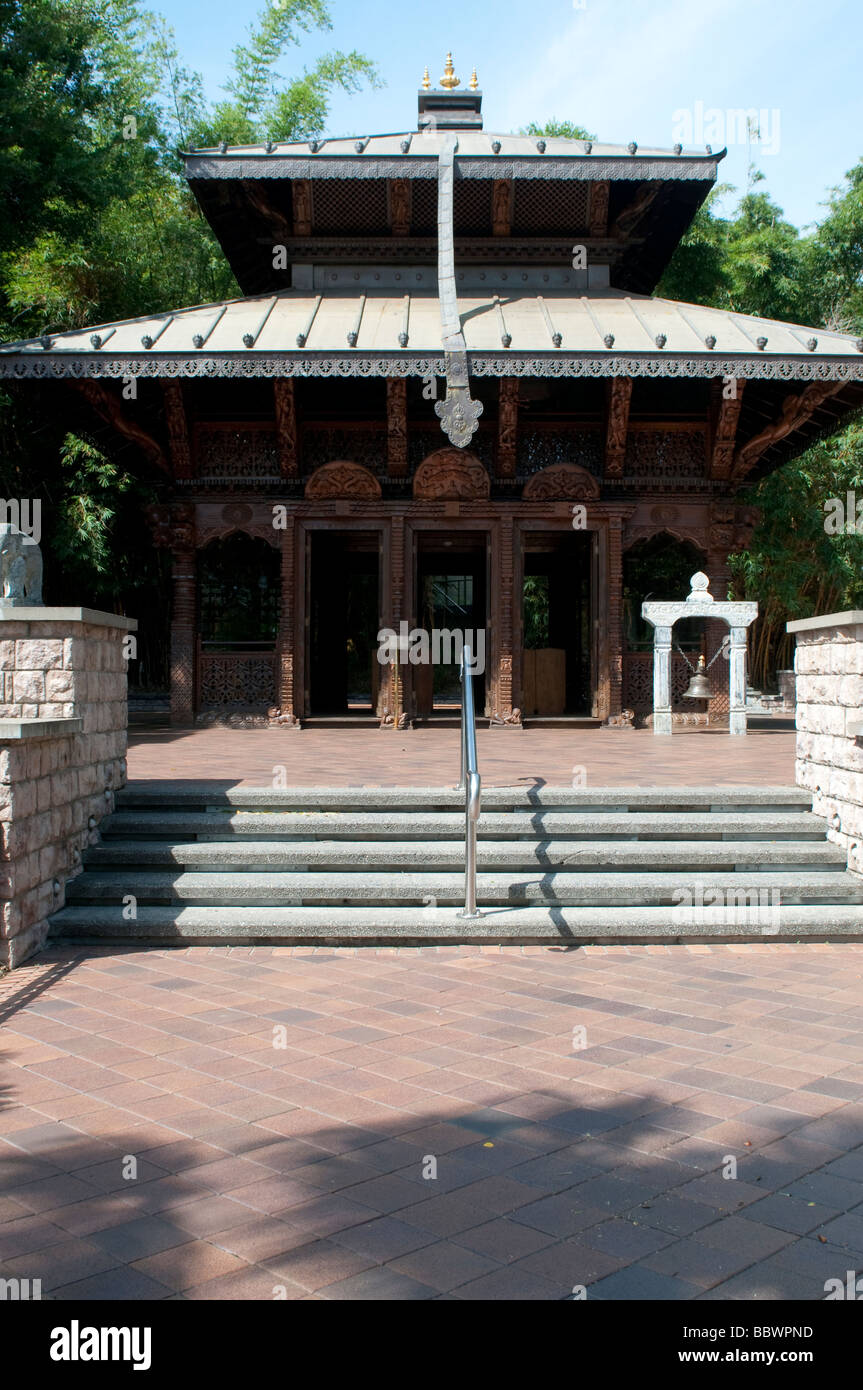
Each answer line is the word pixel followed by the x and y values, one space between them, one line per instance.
pixel 681 1122
pixel 430 757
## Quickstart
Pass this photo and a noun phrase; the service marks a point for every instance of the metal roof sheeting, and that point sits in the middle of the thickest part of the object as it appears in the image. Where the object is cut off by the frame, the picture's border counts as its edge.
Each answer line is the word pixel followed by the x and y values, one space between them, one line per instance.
pixel 606 323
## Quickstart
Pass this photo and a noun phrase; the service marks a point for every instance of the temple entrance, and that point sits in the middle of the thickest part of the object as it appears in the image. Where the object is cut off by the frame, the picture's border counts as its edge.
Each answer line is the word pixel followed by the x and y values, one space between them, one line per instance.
pixel 556 618
pixel 451 603
pixel 343 607
pixel 239 585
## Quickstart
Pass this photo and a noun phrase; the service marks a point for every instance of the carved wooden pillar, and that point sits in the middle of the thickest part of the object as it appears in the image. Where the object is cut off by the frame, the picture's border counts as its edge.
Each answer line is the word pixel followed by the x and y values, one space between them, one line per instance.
pixel 183 614
pixel 725 414
pixel 287 618
pixel 397 427
pixel 507 427
pixel 286 426
pixel 716 631
pixel 393 607
pixel 615 614
pixel 178 436
pixel 502 706
pixel 619 397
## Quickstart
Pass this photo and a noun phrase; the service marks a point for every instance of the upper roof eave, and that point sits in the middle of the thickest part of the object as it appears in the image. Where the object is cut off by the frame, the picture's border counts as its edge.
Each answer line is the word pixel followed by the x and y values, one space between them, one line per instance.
pixel 517 156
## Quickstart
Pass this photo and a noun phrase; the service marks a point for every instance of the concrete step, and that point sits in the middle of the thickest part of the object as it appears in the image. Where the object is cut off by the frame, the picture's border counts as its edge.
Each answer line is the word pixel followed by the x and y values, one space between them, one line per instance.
pixel 555 887
pixel 536 824
pixel 613 856
pixel 163 795
pixel 415 926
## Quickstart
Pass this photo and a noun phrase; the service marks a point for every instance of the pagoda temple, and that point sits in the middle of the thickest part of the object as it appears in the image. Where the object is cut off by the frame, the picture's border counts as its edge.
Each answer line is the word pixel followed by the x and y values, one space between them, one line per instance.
pixel 448 399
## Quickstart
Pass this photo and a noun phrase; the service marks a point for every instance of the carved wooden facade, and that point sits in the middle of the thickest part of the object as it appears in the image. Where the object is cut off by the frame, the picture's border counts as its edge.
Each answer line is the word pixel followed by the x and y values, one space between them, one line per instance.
pixel 263 479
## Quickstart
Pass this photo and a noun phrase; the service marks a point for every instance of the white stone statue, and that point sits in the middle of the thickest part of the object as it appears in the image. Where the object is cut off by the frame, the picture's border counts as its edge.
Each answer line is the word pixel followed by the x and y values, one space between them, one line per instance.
pixel 20 568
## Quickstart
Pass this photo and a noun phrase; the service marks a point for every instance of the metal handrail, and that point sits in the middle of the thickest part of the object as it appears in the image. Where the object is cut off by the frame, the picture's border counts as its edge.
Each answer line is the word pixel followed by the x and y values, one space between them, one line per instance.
pixel 470 783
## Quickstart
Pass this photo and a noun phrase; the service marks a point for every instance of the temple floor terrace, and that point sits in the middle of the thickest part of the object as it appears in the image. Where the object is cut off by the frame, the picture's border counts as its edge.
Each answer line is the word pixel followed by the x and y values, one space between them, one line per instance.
pixel 430 757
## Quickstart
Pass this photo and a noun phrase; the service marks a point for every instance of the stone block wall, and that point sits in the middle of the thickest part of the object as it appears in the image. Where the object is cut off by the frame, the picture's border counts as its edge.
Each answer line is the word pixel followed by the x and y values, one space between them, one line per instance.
pixel 829 687
pixel 63 721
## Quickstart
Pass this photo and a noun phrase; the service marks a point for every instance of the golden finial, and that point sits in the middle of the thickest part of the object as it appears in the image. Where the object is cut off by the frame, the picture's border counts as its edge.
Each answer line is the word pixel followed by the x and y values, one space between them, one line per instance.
pixel 449 79
pixel 474 84
pixel 426 81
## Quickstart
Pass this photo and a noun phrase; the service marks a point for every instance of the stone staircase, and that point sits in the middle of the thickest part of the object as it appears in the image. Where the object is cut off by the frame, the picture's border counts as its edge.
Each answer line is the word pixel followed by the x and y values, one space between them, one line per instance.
pixel 182 863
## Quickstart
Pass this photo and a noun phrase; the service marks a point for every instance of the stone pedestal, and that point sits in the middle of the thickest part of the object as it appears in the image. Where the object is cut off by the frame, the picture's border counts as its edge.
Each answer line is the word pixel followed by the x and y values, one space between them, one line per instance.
pixel 63 719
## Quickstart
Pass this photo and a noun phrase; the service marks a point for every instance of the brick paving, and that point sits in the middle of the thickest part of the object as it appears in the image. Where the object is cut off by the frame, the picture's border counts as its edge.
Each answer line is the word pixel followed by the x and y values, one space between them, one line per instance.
pixel 430 1124
pixel 430 756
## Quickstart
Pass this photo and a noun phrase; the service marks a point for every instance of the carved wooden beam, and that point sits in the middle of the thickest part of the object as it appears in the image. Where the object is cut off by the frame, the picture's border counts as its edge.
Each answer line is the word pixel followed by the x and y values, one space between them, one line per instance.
pixel 502 199
pixel 178 434
pixel 301 194
pixel 286 426
pixel 110 409
pixel 507 427
pixel 598 216
pixel 620 396
pixel 399 206
pixel 635 210
pixel 280 226
pixel 796 411
pixel 725 429
pixel 397 427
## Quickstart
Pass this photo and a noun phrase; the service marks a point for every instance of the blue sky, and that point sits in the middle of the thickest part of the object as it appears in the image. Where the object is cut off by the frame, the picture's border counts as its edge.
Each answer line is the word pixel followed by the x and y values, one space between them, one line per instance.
pixel 625 69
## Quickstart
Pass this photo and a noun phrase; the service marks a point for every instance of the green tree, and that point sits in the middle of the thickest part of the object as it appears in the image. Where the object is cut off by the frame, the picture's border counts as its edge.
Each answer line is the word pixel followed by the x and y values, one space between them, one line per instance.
pixel 554 128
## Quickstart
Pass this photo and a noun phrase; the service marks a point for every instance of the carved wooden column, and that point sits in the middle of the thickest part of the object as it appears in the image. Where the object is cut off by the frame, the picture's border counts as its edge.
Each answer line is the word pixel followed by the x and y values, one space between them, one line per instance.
pixel 397 427
pixel 183 614
pixel 615 614
pixel 619 398
pixel 287 636
pixel 507 427
pixel 725 414
pixel 392 614
pixel 178 435
pixel 286 426
pixel 502 706
pixel 715 630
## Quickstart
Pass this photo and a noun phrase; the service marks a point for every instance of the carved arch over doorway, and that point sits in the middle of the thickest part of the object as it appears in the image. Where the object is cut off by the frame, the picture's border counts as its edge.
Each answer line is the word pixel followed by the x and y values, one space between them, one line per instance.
pixel 566 482
pixel 451 475
pixel 342 478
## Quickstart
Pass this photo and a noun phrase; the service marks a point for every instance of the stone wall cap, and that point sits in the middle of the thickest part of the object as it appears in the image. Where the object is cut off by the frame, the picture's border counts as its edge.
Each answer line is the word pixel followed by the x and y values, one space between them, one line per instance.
pixel 852 618
pixel 93 616
pixel 13 729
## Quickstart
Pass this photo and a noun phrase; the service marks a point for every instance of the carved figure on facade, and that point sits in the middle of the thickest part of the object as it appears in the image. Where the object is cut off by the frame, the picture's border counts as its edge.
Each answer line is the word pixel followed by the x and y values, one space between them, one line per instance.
pixel 301 193
pixel 341 478
pixel 564 481
pixel 450 475
pixel 400 206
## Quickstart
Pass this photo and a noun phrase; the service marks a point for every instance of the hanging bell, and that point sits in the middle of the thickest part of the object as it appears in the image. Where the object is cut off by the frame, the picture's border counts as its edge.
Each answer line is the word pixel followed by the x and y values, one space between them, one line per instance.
pixel 699 686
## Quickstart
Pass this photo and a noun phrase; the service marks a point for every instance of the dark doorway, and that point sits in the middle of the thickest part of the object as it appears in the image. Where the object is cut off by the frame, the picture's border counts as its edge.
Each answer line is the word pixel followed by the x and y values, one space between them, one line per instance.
pixel 451 599
pixel 556 614
pixel 343 622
